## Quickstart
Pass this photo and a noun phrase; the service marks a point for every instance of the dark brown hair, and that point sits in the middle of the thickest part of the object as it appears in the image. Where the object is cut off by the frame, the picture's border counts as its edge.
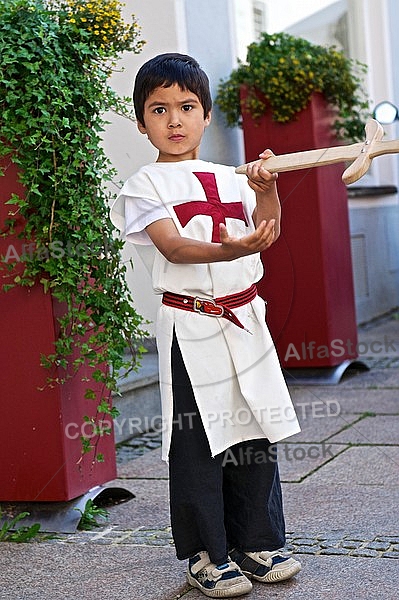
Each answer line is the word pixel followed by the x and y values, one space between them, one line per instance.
pixel 166 70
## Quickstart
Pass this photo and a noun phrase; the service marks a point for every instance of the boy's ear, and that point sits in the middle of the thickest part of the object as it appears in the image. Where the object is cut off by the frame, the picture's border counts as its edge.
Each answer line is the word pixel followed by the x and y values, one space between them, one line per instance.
pixel 141 127
pixel 208 118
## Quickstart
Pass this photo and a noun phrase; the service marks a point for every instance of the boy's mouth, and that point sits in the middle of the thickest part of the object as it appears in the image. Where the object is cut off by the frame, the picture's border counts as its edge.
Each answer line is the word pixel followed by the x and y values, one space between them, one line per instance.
pixel 176 137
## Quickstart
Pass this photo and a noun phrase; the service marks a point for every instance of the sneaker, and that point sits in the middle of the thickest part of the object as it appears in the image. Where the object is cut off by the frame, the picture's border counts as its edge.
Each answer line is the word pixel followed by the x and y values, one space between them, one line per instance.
pixel 267 567
pixel 226 581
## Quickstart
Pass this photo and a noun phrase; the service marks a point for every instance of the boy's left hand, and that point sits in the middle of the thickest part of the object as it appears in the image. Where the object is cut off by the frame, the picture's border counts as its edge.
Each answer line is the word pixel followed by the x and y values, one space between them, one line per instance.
pixel 259 178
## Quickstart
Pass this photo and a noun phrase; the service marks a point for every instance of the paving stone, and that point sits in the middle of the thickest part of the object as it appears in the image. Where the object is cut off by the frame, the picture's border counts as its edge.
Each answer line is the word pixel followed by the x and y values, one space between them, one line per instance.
pixel 331 578
pixel 390 555
pixel 311 549
pixel 365 552
pixel 289 547
pixel 149 508
pixel 380 339
pixel 328 544
pixel 305 541
pixel 375 378
pixel 334 551
pixel 299 534
pixel 297 461
pixel 392 539
pixel 314 505
pixel 351 545
pixel 315 431
pixel 67 572
pixel 147 466
pixel 362 465
pixel 356 537
pixel 381 429
pixel 378 401
pixel 380 546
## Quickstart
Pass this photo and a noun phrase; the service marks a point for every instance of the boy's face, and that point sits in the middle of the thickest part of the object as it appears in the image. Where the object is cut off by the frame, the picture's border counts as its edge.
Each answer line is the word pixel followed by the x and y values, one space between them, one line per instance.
pixel 174 123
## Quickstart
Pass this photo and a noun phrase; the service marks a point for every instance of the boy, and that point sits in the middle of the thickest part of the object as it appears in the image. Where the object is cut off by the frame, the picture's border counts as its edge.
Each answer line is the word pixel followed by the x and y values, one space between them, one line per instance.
pixel 224 399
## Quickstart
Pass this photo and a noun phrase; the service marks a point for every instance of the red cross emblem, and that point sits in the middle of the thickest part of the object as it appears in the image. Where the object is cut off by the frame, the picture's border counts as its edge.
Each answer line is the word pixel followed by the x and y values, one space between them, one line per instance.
pixel 213 207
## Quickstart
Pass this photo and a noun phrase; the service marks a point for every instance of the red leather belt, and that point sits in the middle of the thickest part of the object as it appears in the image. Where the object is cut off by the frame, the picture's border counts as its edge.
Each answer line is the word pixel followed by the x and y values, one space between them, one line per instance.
pixel 212 307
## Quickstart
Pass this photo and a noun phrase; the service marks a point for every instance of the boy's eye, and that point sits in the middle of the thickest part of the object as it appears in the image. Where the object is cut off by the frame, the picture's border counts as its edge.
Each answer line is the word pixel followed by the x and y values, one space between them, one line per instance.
pixel 159 110
pixel 186 107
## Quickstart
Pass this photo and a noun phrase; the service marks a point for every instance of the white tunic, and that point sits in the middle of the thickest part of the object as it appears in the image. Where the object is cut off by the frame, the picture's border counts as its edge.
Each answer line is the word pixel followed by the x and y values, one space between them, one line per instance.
pixel 236 376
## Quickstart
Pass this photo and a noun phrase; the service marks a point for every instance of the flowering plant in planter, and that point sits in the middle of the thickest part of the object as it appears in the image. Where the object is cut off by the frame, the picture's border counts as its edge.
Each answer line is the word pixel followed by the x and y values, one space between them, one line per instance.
pixel 55 60
pixel 282 72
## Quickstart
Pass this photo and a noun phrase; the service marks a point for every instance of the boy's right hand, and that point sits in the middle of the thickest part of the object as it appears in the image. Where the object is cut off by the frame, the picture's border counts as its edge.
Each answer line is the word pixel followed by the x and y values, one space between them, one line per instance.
pixel 181 250
pixel 261 239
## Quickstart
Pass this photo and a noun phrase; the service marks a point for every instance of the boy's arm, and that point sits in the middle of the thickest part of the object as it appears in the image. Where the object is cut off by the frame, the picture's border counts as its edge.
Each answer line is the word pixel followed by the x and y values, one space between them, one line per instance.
pixel 181 250
pixel 267 201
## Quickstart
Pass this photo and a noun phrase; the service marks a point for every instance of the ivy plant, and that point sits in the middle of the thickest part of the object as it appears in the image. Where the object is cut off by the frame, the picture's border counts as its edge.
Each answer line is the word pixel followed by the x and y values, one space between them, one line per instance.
pixel 282 72
pixel 56 57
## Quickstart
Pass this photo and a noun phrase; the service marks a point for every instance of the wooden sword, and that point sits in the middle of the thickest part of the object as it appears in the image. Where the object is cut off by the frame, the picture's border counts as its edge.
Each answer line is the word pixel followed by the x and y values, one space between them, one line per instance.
pixel 360 155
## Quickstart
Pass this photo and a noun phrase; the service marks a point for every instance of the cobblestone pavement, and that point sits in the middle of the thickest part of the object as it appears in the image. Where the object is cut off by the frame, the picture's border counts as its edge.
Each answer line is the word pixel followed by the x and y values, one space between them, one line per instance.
pixel 298 543
pixel 138 446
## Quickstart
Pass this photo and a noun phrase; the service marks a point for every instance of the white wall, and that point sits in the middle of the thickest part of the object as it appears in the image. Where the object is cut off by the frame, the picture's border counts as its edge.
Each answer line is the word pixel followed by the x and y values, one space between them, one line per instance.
pixel 320 28
pixel 282 14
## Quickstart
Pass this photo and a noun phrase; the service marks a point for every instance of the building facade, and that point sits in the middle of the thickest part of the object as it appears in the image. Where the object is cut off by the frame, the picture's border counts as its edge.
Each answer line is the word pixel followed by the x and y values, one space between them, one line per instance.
pixel 217 33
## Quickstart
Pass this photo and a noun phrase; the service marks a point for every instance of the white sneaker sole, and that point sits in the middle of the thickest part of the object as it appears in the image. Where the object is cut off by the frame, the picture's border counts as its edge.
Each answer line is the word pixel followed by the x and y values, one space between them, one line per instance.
pixel 276 575
pixel 238 589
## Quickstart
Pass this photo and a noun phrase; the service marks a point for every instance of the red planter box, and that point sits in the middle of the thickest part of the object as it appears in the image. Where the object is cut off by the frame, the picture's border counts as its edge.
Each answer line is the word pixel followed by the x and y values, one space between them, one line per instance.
pixel 308 280
pixel 40 446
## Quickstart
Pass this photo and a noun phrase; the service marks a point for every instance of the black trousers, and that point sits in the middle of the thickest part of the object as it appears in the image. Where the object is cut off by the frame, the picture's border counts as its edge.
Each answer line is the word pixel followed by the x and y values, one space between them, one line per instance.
pixel 231 500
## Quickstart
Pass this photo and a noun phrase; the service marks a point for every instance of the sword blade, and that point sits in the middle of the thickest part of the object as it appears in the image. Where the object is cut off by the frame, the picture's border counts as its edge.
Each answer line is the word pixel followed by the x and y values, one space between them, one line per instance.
pixel 387 147
pixel 358 155
pixel 309 158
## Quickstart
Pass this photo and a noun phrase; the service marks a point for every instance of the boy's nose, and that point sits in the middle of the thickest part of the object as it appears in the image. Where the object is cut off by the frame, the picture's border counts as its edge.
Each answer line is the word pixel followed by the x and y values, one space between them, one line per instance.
pixel 174 122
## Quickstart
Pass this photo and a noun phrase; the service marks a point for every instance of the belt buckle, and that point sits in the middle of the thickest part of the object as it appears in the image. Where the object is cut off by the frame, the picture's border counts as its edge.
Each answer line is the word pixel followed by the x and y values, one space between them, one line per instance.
pixel 208 307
